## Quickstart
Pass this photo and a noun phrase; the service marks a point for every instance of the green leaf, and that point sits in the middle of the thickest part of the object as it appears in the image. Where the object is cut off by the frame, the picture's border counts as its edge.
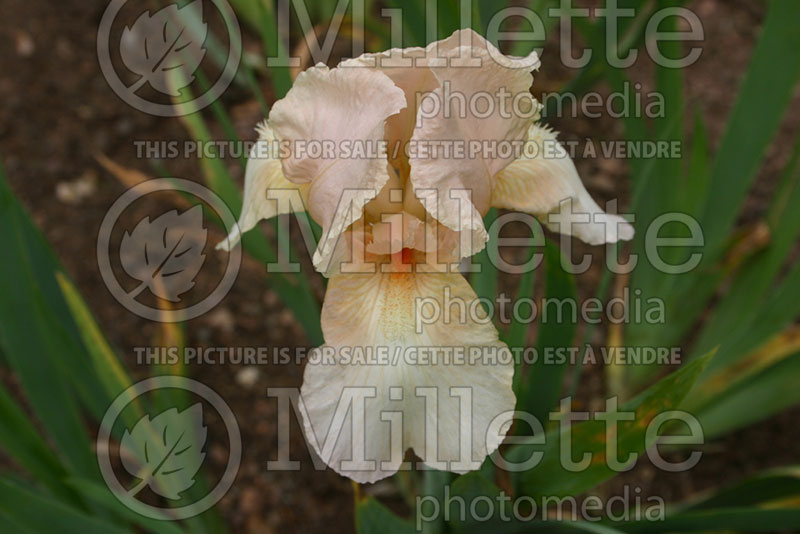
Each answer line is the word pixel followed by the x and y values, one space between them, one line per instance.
pixel 600 295
pixel 274 48
pixel 594 33
pixel 541 391
pixel 448 18
pixel 42 514
pixel 745 520
pixel 763 98
pixel 109 369
pixel 35 342
pixel 8 524
pixel 484 280
pixel 35 275
pixel 773 485
pixel 432 495
pixel 20 440
pixel 549 477
pixel 778 311
pixel 218 52
pixel 741 306
pixel 762 101
pixel 468 489
pixel 517 334
pixel 469 510
pixel 750 400
pixel 657 186
pixel 374 518
pixel 546 527
pixel 222 116
pixel 649 201
pixel 541 8
pixel 414 19
pixel 247 11
pixel 168 451
pixel 698 176
pixel 663 195
pixel 102 496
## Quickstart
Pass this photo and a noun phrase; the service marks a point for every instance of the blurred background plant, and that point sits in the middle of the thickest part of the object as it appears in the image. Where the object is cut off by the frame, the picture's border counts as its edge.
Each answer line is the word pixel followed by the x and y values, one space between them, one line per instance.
pixel 735 315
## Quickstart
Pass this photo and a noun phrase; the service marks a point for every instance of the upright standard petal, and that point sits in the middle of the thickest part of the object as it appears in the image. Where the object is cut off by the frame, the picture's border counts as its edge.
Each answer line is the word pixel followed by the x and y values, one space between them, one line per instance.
pixel 407 68
pixel 480 111
pixel 363 413
pixel 332 124
pixel 545 183
pixel 263 174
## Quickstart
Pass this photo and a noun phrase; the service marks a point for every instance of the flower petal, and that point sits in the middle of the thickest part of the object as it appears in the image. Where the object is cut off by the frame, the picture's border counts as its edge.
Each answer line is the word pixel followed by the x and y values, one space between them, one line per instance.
pixel 435 247
pixel 484 105
pixel 548 183
pixel 407 68
pixel 264 173
pixel 337 108
pixel 380 310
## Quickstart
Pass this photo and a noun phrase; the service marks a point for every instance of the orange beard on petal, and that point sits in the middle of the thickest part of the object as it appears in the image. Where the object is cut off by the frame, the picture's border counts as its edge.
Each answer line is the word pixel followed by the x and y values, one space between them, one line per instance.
pixel 402 263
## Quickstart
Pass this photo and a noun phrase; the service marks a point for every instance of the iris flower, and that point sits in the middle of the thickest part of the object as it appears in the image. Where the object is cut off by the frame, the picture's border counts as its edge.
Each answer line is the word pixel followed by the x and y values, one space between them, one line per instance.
pixel 395 226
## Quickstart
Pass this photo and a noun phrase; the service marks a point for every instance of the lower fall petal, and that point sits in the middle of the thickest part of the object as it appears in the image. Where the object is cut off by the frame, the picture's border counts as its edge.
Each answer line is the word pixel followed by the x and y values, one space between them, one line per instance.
pixel 398 397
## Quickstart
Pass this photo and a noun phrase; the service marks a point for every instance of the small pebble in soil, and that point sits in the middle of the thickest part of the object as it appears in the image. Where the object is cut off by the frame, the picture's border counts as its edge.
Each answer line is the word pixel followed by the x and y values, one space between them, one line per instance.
pixel 24 44
pixel 218 454
pixel 221 319
pixel 286 318
pixel 247 377
pixel 250 501
pixel 75 192
pixel 271 299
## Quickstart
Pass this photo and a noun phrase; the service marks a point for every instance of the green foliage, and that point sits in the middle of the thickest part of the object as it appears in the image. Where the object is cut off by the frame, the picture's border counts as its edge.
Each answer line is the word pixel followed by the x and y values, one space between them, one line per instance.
pixel 726 519
pixel 55 348
pixel 549 477
pixel 35 322
pixel 34 512
pixel 542 388
pixel 373 517
pixel 750 378
pixel 484 279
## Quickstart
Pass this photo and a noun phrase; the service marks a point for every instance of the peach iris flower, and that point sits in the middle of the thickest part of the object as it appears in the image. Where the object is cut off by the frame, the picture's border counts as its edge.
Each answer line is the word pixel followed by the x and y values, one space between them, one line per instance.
pixel 396 241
